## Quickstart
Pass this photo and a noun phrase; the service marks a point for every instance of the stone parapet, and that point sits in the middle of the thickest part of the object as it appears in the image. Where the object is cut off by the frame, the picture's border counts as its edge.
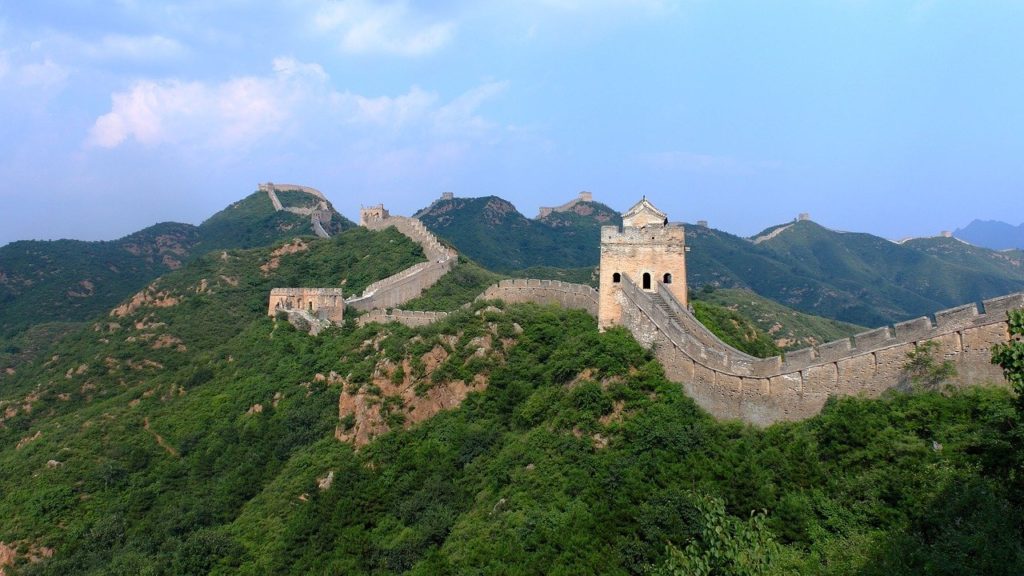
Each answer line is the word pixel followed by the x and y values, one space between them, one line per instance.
pixel 411 318
pixel 564 294
pixel 730 384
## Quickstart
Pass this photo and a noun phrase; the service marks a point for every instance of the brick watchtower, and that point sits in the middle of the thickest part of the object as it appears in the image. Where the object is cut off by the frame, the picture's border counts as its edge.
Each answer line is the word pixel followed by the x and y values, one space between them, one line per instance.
pixel 647 250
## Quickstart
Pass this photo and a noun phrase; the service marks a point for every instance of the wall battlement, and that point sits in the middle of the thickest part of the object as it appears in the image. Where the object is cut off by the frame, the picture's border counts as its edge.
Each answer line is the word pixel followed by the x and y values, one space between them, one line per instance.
pixel 583 197
pixel 411 318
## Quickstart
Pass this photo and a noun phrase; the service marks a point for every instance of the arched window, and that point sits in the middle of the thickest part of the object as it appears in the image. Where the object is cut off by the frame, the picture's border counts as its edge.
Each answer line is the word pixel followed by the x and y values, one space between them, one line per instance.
pixel 616 278
pixel 310 305
pixel 647 280
pixel 667 279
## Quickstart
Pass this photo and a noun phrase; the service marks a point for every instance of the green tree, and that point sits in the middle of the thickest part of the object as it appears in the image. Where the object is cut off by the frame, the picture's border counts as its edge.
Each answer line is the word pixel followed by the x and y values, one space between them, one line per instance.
pixel 1010 355
pixel 724 545
pixel 923 370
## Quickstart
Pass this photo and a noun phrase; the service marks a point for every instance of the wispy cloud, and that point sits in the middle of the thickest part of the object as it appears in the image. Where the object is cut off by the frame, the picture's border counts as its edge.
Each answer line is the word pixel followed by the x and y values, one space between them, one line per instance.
pixel 391 28
pixel 295 97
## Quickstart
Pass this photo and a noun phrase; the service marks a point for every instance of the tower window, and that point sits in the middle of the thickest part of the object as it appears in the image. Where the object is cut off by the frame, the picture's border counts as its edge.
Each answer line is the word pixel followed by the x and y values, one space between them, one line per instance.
pixel 667 279
pixel 647 280
pixel 616 278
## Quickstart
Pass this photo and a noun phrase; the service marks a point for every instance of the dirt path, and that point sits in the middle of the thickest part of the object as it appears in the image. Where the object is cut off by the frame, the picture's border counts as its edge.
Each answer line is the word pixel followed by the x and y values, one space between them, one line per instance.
pixel 160 439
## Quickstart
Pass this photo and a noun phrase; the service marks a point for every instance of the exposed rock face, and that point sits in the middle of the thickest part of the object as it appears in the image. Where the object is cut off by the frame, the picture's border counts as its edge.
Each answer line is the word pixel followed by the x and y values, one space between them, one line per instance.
pixel 403 393
pixel 149 297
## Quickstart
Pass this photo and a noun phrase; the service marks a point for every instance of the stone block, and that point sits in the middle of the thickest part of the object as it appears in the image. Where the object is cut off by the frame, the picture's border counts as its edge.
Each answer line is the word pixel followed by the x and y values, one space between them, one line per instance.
pixel 955 318
pixel 832 351
pixel 857 376
pixel 872 338
pixel 821 379
pixel 767 367
pixel 913 330
pixel 798 359
pixel 1000 306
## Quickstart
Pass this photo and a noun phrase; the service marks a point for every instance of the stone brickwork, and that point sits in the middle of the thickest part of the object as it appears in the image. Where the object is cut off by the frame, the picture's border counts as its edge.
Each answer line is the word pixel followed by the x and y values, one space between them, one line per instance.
pixel 563 294
pixel 322 303
pixel 734 385
pixel 646 248
pixel 399 288
pixel 411 318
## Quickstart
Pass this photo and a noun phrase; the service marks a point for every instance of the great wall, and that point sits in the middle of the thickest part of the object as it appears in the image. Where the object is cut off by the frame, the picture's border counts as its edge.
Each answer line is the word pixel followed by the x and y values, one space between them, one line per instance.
pixel 319 216
pixel 726 382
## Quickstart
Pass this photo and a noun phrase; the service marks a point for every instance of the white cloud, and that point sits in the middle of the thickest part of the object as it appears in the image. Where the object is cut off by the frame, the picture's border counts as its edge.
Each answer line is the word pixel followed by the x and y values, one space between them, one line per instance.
pixel 294 99
pixel 393 28
pixel 234 113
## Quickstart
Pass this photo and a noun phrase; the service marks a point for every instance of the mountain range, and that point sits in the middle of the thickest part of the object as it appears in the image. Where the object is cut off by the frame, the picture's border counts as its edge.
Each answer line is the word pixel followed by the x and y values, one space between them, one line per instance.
pixel 852 277
pixel 992 234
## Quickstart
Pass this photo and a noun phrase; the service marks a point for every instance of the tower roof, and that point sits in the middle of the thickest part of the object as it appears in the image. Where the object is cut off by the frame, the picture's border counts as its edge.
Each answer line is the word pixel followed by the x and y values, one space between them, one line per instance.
pixel 642 214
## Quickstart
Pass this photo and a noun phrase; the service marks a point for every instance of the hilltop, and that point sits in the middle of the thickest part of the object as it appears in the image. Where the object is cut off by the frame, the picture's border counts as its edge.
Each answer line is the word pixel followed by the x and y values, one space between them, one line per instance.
pixel 494 233
pixel 73 280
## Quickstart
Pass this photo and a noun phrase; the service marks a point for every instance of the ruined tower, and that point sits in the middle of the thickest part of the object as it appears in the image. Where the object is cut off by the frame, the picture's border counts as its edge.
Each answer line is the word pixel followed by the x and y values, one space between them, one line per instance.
pixel 646 251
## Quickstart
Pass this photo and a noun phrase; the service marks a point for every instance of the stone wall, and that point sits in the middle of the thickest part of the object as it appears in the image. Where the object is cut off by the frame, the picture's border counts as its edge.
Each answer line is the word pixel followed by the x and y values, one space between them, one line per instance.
pixel 322 303
pixel 583 197
pixel 399 288
pixel 733 385
pixel 271 187
pixel 563 294
pixel 412 318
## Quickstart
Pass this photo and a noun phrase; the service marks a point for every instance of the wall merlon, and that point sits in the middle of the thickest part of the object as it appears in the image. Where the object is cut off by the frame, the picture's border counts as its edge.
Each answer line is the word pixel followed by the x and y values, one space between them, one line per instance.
pixel 766 367
pixel 956 317
pixel 912 330
pixel 832 351
pixel 998 307
pixel 798 359
pixel 872 338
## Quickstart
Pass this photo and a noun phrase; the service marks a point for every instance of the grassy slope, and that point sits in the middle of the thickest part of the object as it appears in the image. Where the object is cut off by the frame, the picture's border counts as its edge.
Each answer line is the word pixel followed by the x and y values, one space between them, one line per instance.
pixel 789 328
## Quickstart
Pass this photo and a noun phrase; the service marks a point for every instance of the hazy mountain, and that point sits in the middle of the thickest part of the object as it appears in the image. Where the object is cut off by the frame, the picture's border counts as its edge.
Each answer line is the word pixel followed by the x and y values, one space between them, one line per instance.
pixel 73 280
pixel 992 234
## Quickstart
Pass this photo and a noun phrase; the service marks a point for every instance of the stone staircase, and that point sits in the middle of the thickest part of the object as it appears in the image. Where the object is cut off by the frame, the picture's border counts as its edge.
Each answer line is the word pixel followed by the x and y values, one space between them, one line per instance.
pixel 666 308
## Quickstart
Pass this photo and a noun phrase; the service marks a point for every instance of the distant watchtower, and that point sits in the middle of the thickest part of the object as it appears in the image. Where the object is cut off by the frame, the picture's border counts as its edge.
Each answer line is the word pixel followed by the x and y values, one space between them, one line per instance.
pixel 371 213
pixel 648 251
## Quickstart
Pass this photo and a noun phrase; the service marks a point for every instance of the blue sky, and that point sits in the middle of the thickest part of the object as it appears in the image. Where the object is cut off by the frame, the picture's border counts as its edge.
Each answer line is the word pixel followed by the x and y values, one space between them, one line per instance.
pixel 895 118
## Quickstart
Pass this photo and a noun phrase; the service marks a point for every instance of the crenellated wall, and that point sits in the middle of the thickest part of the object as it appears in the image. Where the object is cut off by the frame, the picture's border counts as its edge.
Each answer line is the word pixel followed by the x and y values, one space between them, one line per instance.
pixel 399 288
pixel 411 318
pixel 563 294
pixel 271 187
pixel 733 385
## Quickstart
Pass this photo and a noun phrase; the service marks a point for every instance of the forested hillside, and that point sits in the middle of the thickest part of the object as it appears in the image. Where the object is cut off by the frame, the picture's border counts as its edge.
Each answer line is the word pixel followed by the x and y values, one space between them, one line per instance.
pixel 189 433
pixel 72 280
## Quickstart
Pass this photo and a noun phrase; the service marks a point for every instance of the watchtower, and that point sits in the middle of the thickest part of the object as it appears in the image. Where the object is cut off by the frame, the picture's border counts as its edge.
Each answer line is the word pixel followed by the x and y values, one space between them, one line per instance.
pixel 371 213
pixel 648 251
